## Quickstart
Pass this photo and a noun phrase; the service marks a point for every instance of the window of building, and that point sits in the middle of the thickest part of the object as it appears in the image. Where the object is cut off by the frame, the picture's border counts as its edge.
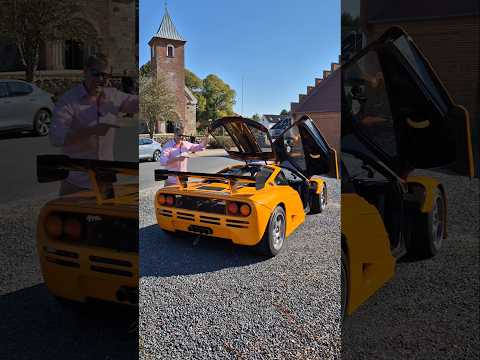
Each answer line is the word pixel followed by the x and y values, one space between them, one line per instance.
pixel 170 51
pixel 74 55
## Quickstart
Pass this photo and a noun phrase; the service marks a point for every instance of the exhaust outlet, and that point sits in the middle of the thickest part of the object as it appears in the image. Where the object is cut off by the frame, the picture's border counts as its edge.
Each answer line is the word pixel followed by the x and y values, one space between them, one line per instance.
pixel 127 294
pixel 122 294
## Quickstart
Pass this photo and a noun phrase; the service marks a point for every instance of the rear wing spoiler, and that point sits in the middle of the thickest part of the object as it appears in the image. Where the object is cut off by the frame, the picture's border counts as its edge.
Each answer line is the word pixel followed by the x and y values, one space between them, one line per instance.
pixel 182 177
pixel 102 173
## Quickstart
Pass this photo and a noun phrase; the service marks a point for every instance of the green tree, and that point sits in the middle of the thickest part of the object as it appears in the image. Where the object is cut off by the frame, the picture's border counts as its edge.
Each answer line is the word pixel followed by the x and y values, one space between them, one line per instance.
pixel 30 23
pixel 219 100
pixel 349 23
pixel 284 112
pixel 215 97
pixel 146 69
pixel 193 82
pixel 157 101
pixel 256 117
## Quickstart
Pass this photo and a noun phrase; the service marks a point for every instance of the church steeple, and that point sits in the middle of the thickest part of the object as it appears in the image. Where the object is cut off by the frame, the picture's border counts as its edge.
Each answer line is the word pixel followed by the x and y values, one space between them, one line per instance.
pixel 167 29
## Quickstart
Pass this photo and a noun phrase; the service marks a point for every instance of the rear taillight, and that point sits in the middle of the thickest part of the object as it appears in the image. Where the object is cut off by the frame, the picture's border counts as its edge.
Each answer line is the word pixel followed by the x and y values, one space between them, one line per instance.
pixel 170 200
pixel 232 208
pixel 166 200
pixel 72 227
pixel 245 210
pixel 238 209
pixel 54 226
pixel 161 199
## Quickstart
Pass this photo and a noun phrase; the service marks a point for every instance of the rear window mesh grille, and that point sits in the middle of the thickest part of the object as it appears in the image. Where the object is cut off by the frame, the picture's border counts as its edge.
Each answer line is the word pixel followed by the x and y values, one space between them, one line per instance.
pixel 104 231
pixel 214 206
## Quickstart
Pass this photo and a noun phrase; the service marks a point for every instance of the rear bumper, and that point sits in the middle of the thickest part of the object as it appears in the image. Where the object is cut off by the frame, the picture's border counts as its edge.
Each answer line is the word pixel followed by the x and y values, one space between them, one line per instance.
pixel 79 273
pixel 243 231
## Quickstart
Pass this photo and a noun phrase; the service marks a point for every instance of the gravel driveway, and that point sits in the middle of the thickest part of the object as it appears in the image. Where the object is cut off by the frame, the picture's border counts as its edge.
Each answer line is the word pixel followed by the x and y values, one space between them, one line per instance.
pixel 29 312
pixel 217 300
pixel 430 309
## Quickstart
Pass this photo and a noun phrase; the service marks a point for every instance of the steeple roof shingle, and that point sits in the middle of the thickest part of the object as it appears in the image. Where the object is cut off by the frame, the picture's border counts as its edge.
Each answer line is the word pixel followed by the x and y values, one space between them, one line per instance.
pixel 167 29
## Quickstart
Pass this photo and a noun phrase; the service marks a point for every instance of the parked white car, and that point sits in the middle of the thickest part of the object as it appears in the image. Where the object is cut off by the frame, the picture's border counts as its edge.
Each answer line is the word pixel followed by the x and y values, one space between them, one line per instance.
pixel 149 149
pixel 24 106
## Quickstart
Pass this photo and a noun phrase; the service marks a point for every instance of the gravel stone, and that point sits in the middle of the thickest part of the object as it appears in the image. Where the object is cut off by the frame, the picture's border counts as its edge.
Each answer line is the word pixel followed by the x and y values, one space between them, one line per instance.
pixel 215 300
pixel 430 309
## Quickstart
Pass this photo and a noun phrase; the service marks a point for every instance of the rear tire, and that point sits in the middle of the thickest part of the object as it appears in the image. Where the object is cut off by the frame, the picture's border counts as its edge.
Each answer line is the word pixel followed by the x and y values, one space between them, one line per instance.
pixel 431 230
pixel 156 156
pixel 319 201
pixel 273 240
pixel 41 122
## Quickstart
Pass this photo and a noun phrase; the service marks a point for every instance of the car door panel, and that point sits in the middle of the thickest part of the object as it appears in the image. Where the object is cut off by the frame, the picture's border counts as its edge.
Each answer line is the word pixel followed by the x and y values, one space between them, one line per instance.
pixel 6 108
pixel 417 124
pixel 24 103
pixel 141 148
pixel 370 263
pixel 306 149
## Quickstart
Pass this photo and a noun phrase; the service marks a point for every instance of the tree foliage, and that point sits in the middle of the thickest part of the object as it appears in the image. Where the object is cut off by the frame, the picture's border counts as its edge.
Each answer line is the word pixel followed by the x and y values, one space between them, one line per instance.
pixel 30 23
pixel 215 97
pixel 146 69
pixel 157 101
pixel 193 82
pixel 219 99
pixel 256 117
pixel 349 23
pixel 284 112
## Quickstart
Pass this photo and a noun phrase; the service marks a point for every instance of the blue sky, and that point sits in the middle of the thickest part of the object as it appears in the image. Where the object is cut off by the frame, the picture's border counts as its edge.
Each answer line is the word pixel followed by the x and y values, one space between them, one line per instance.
pixel 277 46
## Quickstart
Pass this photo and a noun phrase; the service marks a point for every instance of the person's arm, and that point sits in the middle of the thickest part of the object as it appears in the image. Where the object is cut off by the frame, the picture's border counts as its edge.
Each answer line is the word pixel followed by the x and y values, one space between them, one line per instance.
pixel 195 147
pixel 169 155
pixel 61 132
pixel 128 103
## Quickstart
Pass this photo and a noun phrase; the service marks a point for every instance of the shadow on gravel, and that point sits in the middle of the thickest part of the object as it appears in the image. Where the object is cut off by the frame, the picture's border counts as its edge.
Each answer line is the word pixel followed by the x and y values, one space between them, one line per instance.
pixel 16 135
pixel 35 325
pixel 166 255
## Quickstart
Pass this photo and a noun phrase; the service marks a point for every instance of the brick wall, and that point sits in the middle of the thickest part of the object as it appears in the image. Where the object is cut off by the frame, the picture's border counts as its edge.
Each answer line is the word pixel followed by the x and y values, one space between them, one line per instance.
pixel 329 125
pixel 172 67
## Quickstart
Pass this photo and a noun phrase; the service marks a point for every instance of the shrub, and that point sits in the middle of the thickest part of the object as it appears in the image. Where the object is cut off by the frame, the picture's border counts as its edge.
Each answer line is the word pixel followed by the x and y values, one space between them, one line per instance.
pixel 219 142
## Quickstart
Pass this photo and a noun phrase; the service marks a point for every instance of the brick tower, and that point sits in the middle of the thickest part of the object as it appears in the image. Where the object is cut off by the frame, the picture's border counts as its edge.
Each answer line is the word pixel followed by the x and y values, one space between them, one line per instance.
pixel 167 56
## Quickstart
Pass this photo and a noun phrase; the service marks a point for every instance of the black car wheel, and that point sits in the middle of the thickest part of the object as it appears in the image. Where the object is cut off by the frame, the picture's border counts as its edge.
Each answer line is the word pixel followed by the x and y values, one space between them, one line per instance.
pixel 274 238
pixel 41 122
pixel 428 238
pixel 156 155
pixel 319 201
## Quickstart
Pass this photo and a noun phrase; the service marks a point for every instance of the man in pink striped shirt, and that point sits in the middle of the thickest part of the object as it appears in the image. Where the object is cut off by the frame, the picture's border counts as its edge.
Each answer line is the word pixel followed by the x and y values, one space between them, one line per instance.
pixel 175 153
pixel 85 119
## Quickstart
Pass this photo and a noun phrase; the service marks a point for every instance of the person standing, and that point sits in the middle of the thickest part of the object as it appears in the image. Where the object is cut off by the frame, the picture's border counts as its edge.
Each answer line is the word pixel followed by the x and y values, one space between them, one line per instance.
pixel 85 118
pixel 175 153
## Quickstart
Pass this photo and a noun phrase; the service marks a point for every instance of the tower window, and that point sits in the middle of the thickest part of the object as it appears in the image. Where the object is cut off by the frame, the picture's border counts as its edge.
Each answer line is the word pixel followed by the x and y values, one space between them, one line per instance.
pixel 170 51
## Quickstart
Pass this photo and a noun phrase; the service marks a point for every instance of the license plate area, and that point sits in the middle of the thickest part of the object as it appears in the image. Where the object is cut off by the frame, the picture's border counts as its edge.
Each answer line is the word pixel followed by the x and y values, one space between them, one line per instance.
pixel 204 230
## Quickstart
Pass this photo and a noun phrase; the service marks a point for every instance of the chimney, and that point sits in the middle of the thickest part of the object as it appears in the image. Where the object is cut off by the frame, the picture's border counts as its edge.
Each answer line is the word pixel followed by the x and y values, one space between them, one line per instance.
pixel 326 73
pixel 335 66
pixel 310 89
pixel 293 106
pixel 317 81
pixel 301 97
